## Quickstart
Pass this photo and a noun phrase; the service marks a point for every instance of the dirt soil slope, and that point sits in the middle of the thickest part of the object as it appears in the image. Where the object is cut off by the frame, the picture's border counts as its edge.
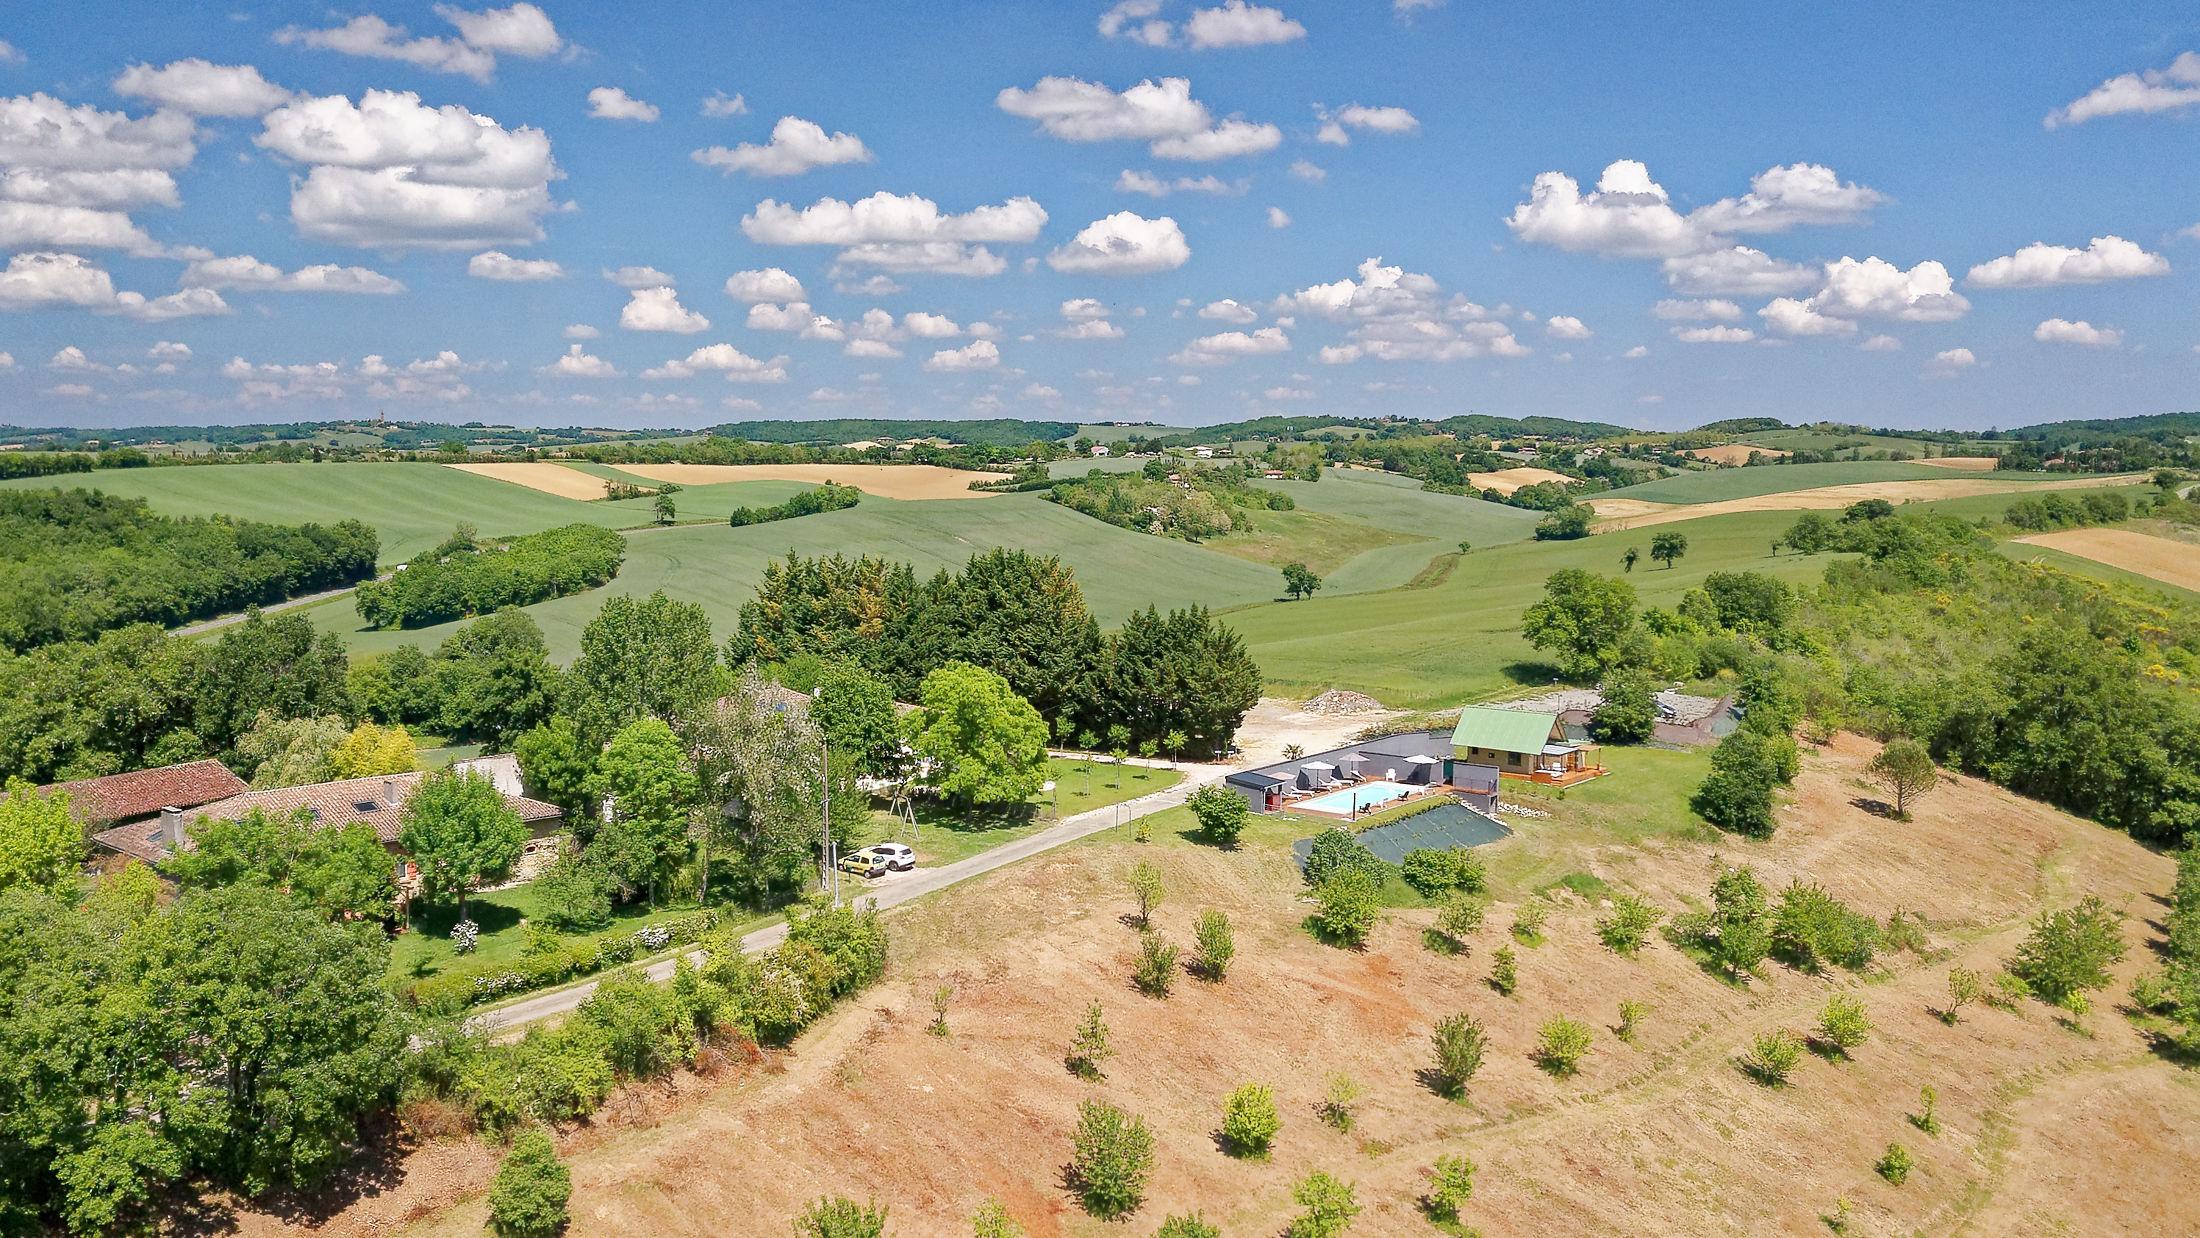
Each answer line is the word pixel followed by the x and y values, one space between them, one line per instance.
pixel 1617 514
pixel 549 478
pixel 2159 558
pixel 1736 453
pixel 1505 481
pixel 2045 1130
pixel 888 481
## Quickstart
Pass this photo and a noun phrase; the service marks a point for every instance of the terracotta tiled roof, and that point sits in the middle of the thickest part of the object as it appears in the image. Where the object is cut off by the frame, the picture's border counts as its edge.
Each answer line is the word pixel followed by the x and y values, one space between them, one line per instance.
pixel 378 800
pixel 143 793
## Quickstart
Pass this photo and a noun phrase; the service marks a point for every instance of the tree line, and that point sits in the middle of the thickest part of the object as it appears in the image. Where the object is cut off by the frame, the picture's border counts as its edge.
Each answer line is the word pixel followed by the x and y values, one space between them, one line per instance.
pixel 468 576
pixel 1173 498
pixel 75 563
pixel 830 497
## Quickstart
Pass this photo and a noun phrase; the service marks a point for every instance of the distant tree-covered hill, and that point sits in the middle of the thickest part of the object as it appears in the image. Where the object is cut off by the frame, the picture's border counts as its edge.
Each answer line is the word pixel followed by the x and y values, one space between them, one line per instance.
pixel 996 432
pixel 1466 425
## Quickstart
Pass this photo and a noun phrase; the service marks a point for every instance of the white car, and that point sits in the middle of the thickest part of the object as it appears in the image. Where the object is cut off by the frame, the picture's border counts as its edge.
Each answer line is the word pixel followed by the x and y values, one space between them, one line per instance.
pixel 897 856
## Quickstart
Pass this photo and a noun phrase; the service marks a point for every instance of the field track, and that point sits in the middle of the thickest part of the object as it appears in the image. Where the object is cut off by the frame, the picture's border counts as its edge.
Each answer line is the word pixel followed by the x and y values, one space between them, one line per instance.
pixel 1619 513
pixel 2158 558
pixel 888 481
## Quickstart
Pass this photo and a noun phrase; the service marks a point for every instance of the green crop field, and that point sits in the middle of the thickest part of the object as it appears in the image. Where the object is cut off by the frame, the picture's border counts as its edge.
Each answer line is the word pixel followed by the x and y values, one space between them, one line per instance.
pixel 1420 525
pixel 1116 434
pixel 1713 485
pixel 413 506
pixel 1121 571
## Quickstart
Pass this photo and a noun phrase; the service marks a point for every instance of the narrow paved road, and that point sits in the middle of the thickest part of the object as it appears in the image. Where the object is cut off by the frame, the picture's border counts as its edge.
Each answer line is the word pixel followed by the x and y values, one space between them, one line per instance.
pixel 891 893
pixel 303 599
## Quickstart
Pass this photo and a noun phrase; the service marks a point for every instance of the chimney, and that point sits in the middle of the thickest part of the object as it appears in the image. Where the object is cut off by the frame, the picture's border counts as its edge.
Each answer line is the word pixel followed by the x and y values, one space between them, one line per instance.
pixel 389 793
pixel 171 828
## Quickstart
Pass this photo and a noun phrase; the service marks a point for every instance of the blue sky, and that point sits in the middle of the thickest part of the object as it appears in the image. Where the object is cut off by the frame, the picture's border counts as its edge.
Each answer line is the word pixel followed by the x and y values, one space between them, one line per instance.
pixel 1175 210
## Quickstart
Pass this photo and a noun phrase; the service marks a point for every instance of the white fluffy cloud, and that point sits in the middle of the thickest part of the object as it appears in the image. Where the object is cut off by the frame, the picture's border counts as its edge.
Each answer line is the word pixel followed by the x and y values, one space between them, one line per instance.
pixel 522 30
pixel 1277 218
pixel 1796 195
pixel 1736 270
pixel 1083 309
pixel 2152 90
pixel 1392 120
pixel 1091 329
pixel 976 355
pixel 1239 24
pixel 1162 113
pixel 638 277
pixel 1694 311
pixel 577 363
pixel 1397 315
pixel 768 284
pixel 1130 181
pixel 737 366
pixel 1714 335
pixel 70 173
pixel 659 309
pixel 928 326
pixel 1951 361
pixel 2038 265
pixel 1229 345
pixel 36 281
pixel 796 317
pixel 613 103
pixel 796 146
pixel 1123 244
pixel 718 105
pixel 391 172
pixel 1137 21
pixel 897 232
pixel 1228 310
pixel 581 331
pixel 497 265
pixel 2085 334
pixel 247 273
pixel 202 88
pixel 1881 343
pixel 1566 327
pixel 1790 317
pixel 1876 288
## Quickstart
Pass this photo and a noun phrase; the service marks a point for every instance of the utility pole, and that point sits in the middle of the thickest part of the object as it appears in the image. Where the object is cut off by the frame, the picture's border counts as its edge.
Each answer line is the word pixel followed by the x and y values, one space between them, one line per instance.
pixel 825 782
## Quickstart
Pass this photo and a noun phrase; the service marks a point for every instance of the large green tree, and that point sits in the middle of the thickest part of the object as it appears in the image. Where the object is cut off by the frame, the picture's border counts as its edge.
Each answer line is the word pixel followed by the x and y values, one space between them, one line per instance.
pixel 650 791
pixel 461 833
pixel 557 765
pixel 641 658
pixel 986 745
pixel 41 842
pixel 760 772
pixel 342 869
pixel 494 680
pixel 1584 619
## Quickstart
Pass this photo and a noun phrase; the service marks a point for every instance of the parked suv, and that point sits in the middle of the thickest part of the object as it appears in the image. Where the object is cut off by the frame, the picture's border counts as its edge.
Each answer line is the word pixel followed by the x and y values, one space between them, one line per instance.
pixel 897 856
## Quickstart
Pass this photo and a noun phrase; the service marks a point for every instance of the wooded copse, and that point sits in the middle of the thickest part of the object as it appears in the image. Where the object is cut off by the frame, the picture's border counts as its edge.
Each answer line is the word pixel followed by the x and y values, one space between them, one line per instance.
pixel 830 497
pixel 75 563
pixel 469 576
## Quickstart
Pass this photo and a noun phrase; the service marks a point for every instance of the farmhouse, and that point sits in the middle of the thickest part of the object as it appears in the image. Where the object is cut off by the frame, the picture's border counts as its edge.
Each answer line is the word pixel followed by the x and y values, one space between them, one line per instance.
pixel 126 799
pixel 1348 781
pixel 1522 744
pixel 378 800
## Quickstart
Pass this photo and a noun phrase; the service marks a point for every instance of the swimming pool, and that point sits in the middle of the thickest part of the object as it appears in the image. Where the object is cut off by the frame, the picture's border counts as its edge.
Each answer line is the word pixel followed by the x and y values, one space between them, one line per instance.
pixel 1358 798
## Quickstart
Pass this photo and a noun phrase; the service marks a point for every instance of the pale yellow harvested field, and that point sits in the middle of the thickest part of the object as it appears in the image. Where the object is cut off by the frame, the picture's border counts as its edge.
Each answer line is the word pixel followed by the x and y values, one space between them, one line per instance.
pixel 549 478
pixel 1505 481
pixel 887 481
pixel 2157 558
pixel 1736 453
pixel 1616 514
pixel 1968 464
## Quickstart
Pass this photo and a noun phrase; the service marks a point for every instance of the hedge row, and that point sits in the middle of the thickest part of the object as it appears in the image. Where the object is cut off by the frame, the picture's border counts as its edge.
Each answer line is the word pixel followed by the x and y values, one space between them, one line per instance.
pixel 455 990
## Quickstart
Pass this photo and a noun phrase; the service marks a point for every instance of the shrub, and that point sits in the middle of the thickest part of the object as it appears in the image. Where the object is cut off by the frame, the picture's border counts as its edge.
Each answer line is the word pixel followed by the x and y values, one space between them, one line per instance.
pixel 1249 1121
pixel 1740 927
pixel 564 1075
pixel 1561 1043
pixel 1527 926
pixel 1220 812
pixel 991 1220
pixel 1112 1158
pixel 1089 1048
pixel 2069 952
pixel 1904 931
pixel 1631 1015
pixel 1337 850
pixel 1330 1204
pixel 1458 1042
pixel 1213 944
pixel 841 1217
pixel 1336 1107
pixel 1964 987
pixel 1925 1119
pixel 1346 907
pixel 1772 1056
pixel 1629 924
pixel 1460 918
pixel 1155 974
pixel 1193 1226
pixel 1145 883
pixel 2010 992
pixel 1895 1166
pixel 1812 929
pixel 1843 1023
pixel 1436 871
pixel 942 998
pixel 531 1190
pixel 575 894
pixel 1505 972
pixel 1450 1184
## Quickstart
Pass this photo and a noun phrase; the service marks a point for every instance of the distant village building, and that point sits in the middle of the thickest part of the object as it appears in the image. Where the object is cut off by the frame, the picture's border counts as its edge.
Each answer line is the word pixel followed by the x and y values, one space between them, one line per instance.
pixel 1100 449
pixel 1204 453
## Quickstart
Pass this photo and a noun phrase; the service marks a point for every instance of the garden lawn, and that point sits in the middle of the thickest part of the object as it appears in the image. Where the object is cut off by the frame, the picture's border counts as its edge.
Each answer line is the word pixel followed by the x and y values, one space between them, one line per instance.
pixel 425 949
pixel 946 834
pixel 413 506
pixel 718 567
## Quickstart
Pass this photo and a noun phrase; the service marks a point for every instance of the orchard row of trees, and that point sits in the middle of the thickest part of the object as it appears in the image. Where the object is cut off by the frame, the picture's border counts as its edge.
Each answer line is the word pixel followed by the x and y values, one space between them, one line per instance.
pixel 1021 616
pixel 76 563
pixel 467 576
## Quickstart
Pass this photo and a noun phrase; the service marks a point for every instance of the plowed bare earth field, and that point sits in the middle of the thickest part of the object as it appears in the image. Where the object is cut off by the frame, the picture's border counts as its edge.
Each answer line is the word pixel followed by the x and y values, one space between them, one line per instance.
pixel 1505 481
pixel 1736 453
pixel 1622 513
pixel 549 478
pixel 888 481
pixel 2159 558
pixel 2046 1130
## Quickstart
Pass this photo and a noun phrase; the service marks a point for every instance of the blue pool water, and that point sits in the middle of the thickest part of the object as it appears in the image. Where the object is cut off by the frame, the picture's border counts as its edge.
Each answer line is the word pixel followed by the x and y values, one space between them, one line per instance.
pixel 1358 798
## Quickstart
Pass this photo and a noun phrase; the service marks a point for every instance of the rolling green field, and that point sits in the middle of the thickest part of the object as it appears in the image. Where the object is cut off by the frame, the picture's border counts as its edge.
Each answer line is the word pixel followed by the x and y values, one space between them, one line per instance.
pixel 1430 524
pixel 718 567
pixel 413 506
pixel 1811 438
pixel 1713 485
